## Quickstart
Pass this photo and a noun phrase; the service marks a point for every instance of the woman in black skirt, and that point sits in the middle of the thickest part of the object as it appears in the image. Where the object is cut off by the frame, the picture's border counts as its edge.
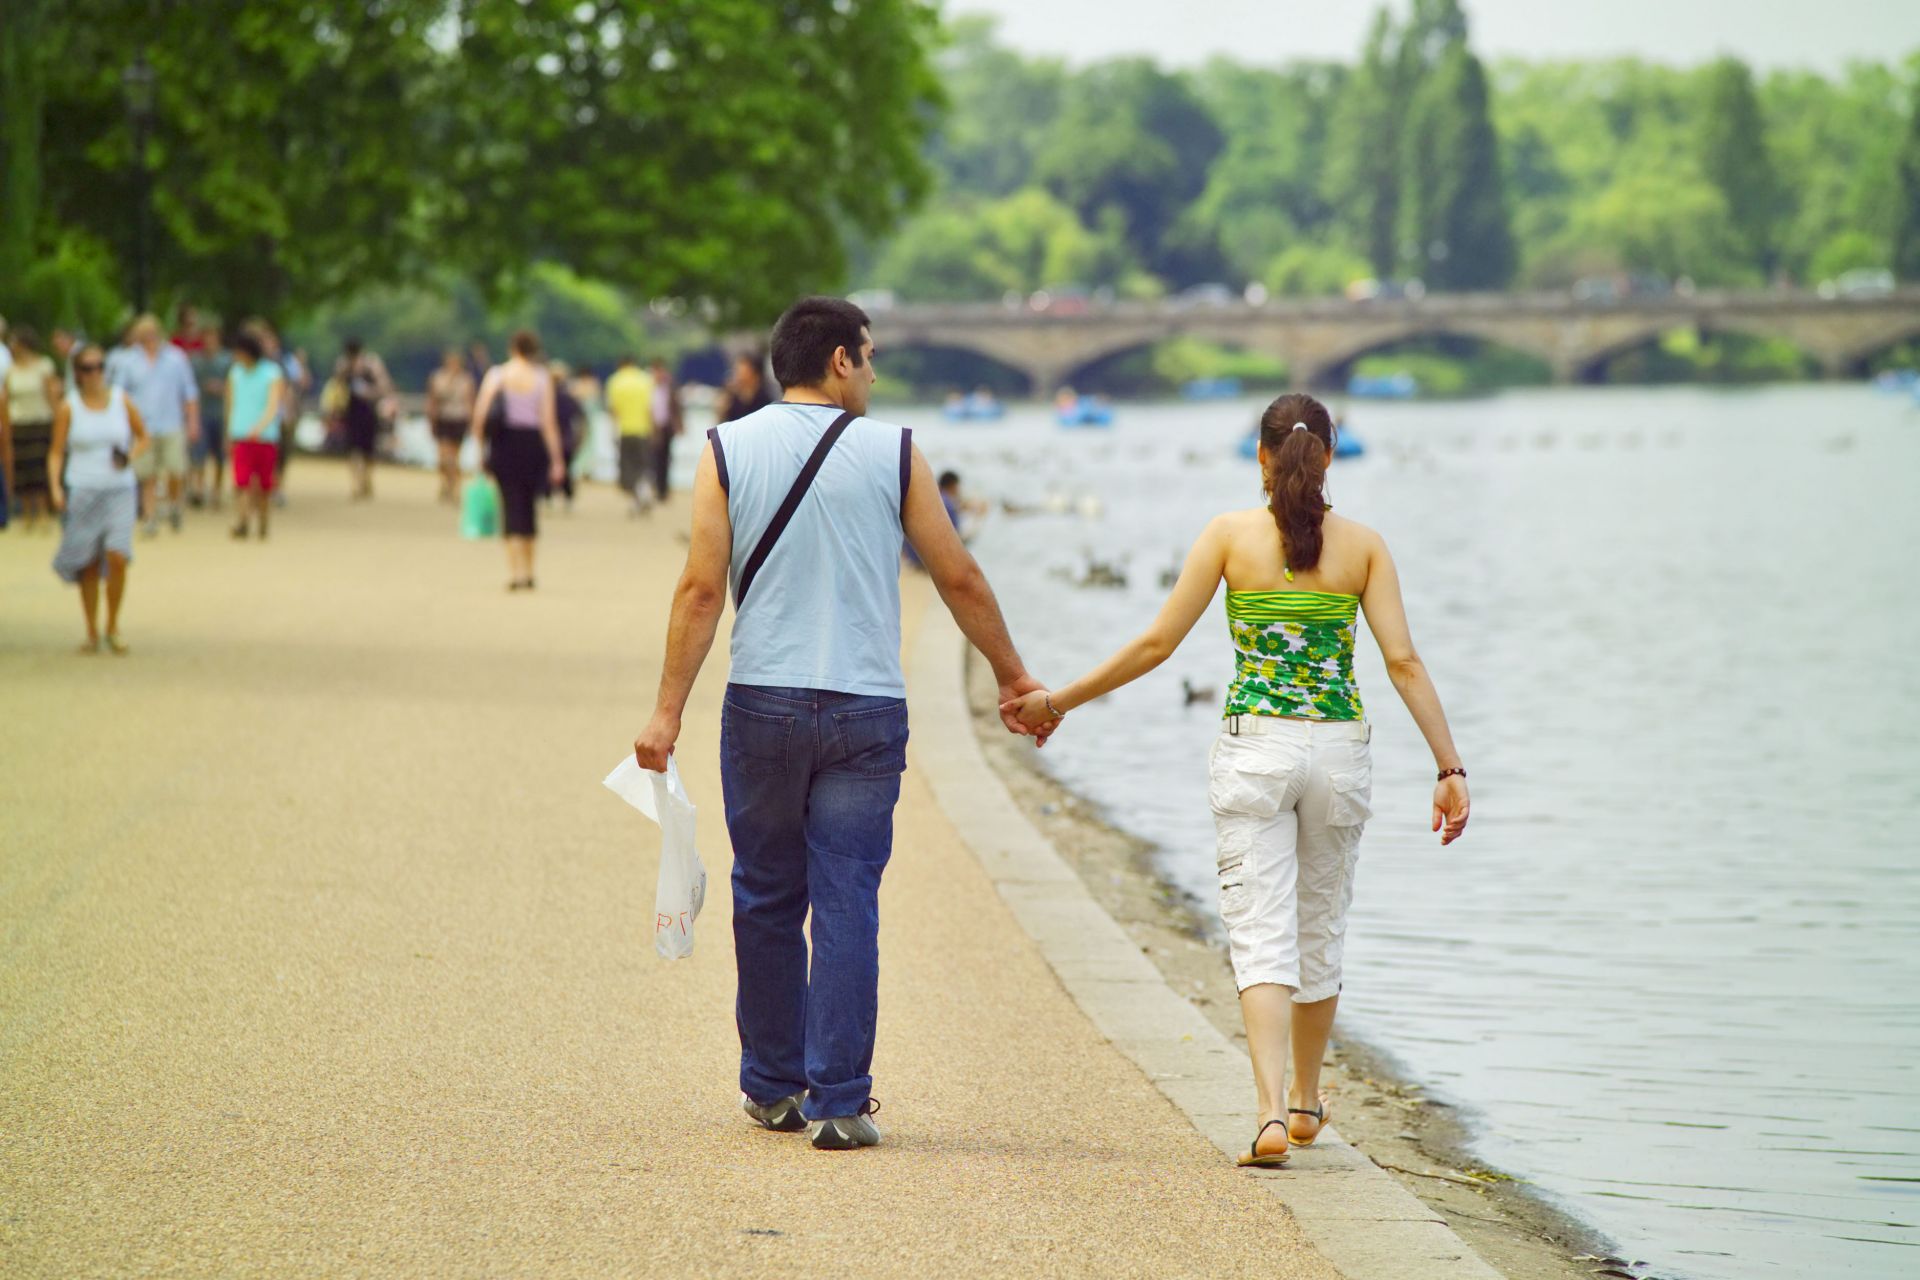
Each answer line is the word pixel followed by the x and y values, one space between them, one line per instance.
pixel 515 419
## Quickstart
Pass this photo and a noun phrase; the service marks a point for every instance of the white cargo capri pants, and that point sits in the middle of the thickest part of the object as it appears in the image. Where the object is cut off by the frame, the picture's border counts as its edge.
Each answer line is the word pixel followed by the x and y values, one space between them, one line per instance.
pixel 1289 800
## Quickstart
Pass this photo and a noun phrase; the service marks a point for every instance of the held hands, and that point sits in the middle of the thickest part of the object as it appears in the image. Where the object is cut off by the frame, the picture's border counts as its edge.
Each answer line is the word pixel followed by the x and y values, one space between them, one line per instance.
pixel 557 473
pixel 655 742
pixel 1023 709
pixel 1031 710
pixel 1450 807
pixel 1015 695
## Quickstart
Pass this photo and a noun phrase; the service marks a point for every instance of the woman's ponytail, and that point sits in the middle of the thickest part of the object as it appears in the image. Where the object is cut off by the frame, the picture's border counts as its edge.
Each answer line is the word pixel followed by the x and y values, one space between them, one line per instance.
pixel 1296 433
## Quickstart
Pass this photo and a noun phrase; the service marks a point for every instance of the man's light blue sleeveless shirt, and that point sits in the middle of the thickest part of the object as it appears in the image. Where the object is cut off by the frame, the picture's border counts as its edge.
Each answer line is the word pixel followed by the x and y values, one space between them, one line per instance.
pixel 824 610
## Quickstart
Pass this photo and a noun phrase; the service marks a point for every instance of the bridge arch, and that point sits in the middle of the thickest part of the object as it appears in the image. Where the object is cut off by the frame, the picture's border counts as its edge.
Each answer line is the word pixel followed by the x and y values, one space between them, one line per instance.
pixel 1591 364
pixel 955 364
pixel 1331 367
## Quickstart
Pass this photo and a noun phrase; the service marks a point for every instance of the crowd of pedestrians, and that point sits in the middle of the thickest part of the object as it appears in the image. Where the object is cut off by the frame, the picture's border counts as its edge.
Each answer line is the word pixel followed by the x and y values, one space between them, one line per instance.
pixel 111 441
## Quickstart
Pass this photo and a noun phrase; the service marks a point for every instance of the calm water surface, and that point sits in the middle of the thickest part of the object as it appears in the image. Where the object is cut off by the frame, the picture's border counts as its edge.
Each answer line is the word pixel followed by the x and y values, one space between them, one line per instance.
pixel 1674 968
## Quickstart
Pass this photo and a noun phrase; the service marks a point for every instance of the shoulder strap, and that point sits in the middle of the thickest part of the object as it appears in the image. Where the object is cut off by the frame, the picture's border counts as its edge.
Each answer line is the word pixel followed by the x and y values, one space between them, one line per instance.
pixel 789 505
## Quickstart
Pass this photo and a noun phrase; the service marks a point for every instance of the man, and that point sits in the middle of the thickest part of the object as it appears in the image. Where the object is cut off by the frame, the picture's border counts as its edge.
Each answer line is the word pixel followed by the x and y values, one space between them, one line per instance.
pixel 210 365
pixel 668 421
pixel 630 401
pixel 157 377
pixel 813 737
pixel 6 355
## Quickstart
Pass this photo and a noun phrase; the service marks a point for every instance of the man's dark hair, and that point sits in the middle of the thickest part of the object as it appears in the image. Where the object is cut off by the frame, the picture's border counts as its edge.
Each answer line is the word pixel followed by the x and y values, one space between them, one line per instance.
pixel 805 338
pixel 948 479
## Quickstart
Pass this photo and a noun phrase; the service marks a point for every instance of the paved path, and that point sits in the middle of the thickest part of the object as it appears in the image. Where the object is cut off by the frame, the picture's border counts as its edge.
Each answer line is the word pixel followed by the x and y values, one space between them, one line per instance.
pixel 322 951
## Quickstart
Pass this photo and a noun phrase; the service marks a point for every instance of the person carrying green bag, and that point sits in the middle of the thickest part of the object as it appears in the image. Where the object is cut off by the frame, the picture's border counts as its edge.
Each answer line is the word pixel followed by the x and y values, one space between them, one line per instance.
pixel 480 508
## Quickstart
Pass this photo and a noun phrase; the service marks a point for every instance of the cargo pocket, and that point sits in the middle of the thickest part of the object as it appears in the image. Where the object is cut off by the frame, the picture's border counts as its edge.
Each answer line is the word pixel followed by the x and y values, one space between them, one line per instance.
pixel 1352 801
pixel 1244 781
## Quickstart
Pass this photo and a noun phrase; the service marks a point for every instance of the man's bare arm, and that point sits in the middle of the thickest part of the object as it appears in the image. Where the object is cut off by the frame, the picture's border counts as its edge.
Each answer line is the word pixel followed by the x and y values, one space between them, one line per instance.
pixel 697 604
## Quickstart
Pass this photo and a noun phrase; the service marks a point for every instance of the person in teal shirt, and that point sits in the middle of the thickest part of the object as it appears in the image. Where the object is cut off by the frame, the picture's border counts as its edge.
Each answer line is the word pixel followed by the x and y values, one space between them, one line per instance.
pixel 254 391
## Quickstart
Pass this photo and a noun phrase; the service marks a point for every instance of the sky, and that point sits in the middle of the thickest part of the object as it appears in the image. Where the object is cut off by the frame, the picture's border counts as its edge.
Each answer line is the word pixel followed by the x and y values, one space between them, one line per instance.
pixel 1821 35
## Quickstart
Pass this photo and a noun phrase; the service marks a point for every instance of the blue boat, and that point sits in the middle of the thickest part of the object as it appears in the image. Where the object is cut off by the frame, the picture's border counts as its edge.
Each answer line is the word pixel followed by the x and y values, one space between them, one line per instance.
pixel 1392 386
pixel 1084 411
pixel 981 406
pixel 1211 389
pixel 1898 381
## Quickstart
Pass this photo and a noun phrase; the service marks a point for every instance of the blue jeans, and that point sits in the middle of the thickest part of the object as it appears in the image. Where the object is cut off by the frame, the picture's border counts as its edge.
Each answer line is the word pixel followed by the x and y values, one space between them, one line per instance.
pixel 810 779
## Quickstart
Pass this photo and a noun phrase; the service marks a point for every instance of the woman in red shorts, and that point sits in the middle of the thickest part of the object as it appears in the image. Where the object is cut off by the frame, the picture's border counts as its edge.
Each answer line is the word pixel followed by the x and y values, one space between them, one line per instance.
pixel 254 388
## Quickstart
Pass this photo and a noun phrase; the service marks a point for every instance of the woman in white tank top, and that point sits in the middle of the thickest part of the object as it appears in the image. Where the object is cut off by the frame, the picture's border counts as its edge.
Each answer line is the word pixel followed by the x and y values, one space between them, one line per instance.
pixel 97 433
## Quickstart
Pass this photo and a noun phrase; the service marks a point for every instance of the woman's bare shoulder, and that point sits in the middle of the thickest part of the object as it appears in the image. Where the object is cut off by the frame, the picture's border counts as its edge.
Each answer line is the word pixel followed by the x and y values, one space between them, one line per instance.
pixel 1353 531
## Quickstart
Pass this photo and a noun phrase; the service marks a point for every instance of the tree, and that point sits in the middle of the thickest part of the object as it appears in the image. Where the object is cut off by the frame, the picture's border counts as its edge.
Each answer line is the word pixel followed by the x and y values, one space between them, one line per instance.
pixel 1134 139
pixel 1906 233
pixel 722 151
pixel 997 100
pixel 1453 210
pixel 1733 155
pixel 1366 150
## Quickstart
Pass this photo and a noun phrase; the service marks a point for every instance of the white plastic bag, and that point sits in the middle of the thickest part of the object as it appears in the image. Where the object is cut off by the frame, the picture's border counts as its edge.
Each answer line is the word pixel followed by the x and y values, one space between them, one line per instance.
pixel 683 881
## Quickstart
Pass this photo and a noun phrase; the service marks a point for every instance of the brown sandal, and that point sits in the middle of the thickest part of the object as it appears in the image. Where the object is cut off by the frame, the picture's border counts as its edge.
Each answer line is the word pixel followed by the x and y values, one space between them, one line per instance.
pixel 1258 1159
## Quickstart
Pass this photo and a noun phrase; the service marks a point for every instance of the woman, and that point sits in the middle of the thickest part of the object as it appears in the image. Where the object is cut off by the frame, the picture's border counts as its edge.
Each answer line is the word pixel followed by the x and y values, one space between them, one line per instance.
pixel 450 409
pixel 256 389
pixel 32 390
pixel 1291 777
pixel 97 434
pixel 524 453
pixel 363 375
pixel 746 390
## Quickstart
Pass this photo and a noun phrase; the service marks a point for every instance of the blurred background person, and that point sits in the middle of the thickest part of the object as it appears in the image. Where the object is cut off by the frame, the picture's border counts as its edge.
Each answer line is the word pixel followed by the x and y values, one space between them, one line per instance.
pixel 668 420
pixel 32 391
pixel 630 402
pixel 188 334
pixel 98 439
pixel 570 418
pixel 295 378
pixel 255 386
pixel 450 392
pixel 746 390
pixel 210 364
pixel 364 375
pixel 523 451
pixel 157 377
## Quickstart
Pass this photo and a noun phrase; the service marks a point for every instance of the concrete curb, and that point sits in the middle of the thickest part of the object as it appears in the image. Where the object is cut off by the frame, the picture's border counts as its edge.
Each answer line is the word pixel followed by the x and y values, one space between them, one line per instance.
pixel 1362 1221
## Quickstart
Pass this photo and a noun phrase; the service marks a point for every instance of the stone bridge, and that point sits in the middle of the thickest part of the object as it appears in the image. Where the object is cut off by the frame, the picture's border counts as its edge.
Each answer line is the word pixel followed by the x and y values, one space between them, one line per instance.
pixel 1319 339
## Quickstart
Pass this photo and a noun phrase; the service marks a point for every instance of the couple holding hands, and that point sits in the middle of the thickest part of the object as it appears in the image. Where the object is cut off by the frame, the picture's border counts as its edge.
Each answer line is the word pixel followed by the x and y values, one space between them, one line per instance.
pixel 801 507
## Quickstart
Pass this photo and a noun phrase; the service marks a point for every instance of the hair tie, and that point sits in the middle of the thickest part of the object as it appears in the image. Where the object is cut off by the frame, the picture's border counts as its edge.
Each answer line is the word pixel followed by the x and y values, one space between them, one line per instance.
pixel 1300 426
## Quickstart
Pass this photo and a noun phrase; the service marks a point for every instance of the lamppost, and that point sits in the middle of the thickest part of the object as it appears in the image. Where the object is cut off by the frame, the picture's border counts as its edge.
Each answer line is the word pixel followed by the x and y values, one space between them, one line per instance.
pixel 137 81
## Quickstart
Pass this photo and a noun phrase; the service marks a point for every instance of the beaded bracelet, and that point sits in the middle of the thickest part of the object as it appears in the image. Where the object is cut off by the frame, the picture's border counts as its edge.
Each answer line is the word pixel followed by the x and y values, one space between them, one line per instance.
pixel 1448 773
pixel 1056 714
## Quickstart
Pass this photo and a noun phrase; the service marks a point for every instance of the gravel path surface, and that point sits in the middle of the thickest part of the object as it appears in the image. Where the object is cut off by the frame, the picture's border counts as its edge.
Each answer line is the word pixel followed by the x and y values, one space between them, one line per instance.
pixel 326 953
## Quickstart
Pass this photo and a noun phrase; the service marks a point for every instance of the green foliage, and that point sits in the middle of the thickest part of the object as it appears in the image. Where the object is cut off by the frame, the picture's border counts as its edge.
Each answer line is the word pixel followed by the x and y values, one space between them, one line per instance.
pixel 1734 157
pixel 305 150
pixel 1453 209
pixel 1906 233
pixel 1313 271
pixel 1024 242
pixel 1132 139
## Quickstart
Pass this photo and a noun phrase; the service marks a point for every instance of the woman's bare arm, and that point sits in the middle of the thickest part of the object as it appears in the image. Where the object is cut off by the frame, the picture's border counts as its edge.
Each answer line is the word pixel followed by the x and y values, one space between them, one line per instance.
pixel 1191 595
pixel 1387 620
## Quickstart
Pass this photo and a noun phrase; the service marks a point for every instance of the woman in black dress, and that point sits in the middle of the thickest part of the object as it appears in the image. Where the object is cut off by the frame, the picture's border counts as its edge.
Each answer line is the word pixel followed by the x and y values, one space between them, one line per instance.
pixel 515 417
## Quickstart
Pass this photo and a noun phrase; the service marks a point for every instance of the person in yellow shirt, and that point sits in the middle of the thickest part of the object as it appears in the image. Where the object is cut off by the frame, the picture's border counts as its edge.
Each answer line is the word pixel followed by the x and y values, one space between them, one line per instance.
pixel 630 401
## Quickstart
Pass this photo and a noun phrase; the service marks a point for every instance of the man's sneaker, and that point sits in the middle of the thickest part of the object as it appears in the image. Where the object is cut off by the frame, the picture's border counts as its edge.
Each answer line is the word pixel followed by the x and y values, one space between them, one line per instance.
pixel 844 1133
pixel 783 1116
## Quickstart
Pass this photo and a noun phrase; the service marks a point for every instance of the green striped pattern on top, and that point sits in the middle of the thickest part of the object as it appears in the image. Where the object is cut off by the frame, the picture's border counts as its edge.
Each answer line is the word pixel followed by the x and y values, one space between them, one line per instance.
pixel 1293 654
pixel 1292 606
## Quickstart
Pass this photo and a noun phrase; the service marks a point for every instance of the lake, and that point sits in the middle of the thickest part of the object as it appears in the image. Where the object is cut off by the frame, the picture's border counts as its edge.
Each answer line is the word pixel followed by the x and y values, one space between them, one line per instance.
pixel 1672 973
